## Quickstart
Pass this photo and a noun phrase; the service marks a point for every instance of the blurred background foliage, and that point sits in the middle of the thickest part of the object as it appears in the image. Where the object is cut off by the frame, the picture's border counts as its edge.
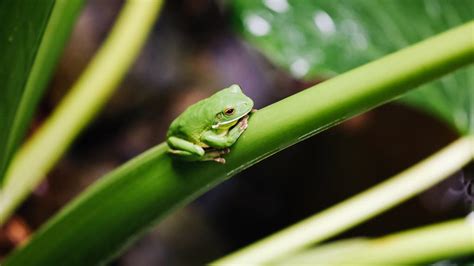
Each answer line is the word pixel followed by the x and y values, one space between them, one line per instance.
pixel 195 50
pixel 323 38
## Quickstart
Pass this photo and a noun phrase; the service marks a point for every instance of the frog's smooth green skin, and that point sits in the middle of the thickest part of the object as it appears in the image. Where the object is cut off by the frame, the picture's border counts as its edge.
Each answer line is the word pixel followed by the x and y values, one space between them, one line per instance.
pixel 207 129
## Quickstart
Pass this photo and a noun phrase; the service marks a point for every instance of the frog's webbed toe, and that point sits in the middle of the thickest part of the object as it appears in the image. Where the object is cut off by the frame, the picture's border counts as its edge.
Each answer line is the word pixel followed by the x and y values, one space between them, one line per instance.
pixel 243 124
pixel 219 160
pixel 214 154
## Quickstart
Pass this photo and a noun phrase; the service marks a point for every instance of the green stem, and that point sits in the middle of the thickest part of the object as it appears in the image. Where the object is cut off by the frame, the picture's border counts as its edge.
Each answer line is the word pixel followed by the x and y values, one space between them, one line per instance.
pixel 440 241
pixel 359 208
pixel 123 204
pixel 39 154
pixel 413 247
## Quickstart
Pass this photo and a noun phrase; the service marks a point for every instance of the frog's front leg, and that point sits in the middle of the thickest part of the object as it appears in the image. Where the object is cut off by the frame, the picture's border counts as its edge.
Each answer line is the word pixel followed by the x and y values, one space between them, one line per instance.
pixel 192 152
pixel 224 141
pixel 185 149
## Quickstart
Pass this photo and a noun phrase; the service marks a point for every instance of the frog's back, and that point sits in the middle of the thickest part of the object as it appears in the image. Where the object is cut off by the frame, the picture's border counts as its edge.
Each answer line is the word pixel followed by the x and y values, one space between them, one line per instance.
pixel 190 124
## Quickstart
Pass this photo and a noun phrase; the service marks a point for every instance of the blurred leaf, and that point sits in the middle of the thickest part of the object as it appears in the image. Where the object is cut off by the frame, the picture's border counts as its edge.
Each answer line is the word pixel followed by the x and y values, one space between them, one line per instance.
pixel 32 35
pixel 416 246
pixel 327 37
pixel 89 93
pixel 325 254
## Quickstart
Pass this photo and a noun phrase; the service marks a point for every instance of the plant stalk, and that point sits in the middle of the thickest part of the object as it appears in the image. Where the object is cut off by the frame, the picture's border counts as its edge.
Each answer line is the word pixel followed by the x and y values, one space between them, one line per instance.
pixel 417 246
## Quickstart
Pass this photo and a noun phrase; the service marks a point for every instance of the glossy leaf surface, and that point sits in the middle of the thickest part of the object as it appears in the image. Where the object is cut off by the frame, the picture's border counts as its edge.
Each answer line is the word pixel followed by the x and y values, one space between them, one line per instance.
pixel 327 37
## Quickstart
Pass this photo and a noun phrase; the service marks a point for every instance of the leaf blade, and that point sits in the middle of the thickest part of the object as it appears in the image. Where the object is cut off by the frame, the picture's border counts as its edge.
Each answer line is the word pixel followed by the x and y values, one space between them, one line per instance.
pixel 14 75
pixel 45 28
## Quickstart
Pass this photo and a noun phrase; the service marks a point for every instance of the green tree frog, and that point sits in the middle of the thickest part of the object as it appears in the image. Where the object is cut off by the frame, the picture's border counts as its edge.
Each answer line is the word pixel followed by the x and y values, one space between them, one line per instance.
pixel 206 129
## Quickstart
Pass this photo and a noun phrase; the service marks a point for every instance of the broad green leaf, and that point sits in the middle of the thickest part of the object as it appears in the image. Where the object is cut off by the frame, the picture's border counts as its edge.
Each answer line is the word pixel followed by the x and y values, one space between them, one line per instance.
pixel 327 37
pixel 32 35
pixel 124 203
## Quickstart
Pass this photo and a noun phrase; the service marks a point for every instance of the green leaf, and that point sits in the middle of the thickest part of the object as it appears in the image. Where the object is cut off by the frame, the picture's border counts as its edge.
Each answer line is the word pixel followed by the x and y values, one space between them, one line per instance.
pixel 89 93
pixel 327 37
pixel 124 203
pixel 32 35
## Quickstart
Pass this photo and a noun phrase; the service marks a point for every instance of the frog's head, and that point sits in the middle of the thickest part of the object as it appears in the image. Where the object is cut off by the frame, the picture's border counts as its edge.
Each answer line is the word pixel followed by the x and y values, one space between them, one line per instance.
pixel 228 106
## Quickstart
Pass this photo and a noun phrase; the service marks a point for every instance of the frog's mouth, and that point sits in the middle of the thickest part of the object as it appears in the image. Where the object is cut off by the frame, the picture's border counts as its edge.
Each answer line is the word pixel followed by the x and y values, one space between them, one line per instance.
pixel 230 123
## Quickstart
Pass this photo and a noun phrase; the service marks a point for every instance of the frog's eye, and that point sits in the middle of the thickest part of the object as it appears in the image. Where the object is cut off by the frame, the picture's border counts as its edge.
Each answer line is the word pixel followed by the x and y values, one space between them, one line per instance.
pixel 229 111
